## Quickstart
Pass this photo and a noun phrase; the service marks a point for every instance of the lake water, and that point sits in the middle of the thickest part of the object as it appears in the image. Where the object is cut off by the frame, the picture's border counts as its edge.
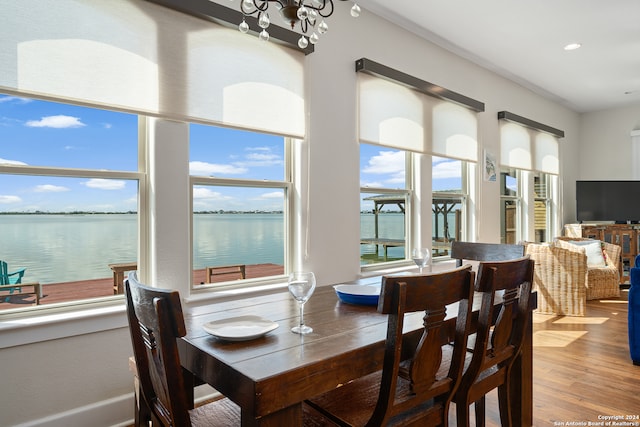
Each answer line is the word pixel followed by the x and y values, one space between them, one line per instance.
pixel 61 248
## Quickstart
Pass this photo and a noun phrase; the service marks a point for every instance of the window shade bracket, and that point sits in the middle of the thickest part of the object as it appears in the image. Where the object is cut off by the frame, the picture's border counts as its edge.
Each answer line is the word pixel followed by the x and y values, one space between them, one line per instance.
pixel 364 65
pixel 506 115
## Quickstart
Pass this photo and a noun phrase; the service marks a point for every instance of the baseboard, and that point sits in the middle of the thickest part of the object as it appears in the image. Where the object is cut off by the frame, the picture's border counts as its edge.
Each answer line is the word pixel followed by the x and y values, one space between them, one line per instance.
pixel 115 412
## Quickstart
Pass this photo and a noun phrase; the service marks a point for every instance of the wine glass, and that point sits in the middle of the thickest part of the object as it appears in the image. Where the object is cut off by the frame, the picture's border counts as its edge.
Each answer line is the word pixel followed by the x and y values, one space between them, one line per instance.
pixel 421 257
pixel 301 286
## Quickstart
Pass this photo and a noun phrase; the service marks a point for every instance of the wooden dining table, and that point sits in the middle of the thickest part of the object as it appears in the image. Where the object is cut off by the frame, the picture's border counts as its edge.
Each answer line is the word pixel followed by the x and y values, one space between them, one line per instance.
pixel 270 376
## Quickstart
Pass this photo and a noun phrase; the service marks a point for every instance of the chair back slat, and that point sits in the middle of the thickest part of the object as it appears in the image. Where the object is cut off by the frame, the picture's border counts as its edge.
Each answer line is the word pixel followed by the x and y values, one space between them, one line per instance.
pixel 431 294
pixel 500 331
pixel 155 322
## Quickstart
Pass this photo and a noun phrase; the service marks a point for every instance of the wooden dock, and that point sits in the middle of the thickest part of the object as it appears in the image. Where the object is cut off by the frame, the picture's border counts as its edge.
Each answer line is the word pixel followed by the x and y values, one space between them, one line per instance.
pixel 96 288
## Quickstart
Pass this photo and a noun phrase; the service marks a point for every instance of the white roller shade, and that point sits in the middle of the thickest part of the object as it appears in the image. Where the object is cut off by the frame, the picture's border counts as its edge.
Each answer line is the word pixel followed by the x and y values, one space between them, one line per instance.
pixel 390 114
pixel 515 146
pixel 455 131
pixel 395 116
pixel 140 57
pixel 546 152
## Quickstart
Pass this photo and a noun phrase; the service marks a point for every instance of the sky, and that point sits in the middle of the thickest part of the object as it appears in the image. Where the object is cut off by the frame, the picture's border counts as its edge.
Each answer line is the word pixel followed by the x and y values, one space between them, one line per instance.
pixel 49 134
pixel 382 167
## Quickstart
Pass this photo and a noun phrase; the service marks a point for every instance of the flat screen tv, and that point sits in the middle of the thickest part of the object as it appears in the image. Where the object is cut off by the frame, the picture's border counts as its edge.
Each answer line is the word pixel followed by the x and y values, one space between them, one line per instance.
pixel 617 201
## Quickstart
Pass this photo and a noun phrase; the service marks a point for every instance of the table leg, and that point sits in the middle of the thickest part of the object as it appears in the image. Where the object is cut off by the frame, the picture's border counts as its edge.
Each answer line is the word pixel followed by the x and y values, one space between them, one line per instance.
pixel 522 381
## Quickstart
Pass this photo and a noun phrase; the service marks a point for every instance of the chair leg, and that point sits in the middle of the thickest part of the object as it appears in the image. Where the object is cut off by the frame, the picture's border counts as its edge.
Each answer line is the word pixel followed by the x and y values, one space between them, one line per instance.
pixel 480 409
pixel 504 405
pixel 462 414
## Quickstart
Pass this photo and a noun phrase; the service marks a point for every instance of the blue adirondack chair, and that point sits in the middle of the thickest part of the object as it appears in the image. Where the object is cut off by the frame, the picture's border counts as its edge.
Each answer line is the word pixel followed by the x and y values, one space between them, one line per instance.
pixel 13 278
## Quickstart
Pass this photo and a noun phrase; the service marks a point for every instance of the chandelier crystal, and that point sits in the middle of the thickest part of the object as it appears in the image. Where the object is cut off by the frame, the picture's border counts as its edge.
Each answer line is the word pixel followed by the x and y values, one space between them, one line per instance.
pixel 308 14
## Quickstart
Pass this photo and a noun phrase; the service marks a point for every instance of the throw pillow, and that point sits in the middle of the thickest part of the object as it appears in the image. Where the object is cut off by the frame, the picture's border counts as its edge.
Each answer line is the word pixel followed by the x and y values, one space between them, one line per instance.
pixel 593 250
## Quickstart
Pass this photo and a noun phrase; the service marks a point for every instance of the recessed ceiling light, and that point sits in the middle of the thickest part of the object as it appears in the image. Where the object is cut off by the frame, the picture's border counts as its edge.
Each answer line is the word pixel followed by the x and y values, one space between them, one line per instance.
pixel 572 46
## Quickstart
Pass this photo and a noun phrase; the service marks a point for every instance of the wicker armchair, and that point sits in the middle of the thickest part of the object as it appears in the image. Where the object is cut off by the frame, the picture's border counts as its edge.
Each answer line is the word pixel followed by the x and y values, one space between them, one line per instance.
pixel 560 276
pixel 602 282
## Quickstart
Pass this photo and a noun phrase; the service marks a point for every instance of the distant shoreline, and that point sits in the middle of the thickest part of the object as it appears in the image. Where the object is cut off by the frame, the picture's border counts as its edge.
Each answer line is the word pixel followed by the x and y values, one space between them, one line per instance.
pixel 135 213
pixel 218 212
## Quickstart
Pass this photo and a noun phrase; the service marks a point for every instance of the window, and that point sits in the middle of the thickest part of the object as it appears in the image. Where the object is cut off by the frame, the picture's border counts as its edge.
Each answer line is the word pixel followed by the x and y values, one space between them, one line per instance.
pixel 410 120
pixel 449 201
pixel 510 215
pixel 383 204
pixel 542 207
pixel 545 193
pixel 69 184
pixel 240 196
pixel 529 179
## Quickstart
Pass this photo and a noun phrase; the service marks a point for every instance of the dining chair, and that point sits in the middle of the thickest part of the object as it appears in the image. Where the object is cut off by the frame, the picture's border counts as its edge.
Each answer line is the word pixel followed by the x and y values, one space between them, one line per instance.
pixel 419 374
pixel 476 251
pixel 498 340
pixel 166 398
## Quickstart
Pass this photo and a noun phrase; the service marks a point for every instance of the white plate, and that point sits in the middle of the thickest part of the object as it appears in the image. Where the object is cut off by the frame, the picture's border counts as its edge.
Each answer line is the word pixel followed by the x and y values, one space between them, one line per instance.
pixel 240 328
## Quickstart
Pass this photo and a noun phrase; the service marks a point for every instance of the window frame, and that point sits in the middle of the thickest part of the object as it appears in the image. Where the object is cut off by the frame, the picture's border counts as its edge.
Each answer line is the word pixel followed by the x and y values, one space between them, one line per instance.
pixel 287 185
pixel 408 192
pixel 465 195
pixel 517 201
pixel 65 172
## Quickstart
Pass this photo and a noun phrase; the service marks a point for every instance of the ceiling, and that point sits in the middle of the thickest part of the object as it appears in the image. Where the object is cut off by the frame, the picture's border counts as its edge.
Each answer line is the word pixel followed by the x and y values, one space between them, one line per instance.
pixel 523 40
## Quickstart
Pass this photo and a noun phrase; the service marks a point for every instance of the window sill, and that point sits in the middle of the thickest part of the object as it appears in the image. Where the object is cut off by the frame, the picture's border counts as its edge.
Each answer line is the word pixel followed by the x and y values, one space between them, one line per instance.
pixel 29 328
pixel 436 265
pixel 201 298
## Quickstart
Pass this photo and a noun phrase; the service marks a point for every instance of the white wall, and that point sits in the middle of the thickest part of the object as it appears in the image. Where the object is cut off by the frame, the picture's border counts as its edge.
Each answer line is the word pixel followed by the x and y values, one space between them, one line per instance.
pixel 607 136
pixel 67 379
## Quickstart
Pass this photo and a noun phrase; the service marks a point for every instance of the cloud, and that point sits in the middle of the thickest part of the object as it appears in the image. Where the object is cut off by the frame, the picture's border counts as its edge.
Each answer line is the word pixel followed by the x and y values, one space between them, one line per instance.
pixel 105 184
pixel 107 125
pixel 272 195
pixel 212 169
pixel 48 188
pixel 386 162
pixel 15 99
pixel 11 162
pixel 372 184
pixel 5 200
pixel 260 156
pixel 205 193
pixel 57 122
pixel 447 169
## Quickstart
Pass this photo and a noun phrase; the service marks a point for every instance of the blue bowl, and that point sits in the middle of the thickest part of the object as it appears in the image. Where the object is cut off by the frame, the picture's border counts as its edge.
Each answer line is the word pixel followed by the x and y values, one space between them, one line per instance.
pixel 358 294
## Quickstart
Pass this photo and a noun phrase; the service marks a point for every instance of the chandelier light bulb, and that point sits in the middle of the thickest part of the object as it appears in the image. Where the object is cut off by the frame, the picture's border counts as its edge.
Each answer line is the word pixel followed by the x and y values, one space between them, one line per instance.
pixel 314 38
pixel 243 27
pixel 263 21
pixel 303 13
pixel 323 27
pixel 264 36
pixel 247 6
pixel 355 10
pixel 313 15
pixel 303 42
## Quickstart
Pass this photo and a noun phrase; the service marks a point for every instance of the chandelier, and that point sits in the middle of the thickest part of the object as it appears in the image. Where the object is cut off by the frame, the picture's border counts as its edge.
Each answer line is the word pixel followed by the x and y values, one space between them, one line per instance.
pixel 310 14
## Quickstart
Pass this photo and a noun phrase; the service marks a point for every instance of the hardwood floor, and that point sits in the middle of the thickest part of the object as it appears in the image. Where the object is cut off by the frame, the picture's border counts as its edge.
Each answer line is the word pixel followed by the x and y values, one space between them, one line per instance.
pixel 582 370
